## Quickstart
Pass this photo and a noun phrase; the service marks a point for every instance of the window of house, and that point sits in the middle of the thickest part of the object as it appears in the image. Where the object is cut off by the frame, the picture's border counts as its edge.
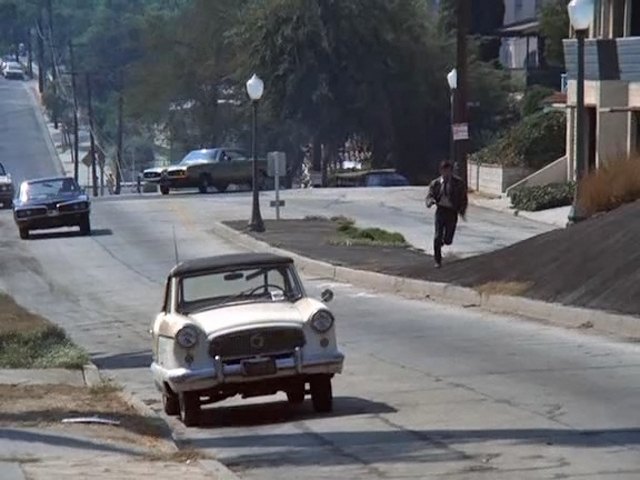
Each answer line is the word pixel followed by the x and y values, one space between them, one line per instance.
pixel 617 18
pixel 634 20
pixel 518 8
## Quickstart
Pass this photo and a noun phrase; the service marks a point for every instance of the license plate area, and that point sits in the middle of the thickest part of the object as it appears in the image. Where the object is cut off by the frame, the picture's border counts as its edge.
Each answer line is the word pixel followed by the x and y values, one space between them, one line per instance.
pixel 259 367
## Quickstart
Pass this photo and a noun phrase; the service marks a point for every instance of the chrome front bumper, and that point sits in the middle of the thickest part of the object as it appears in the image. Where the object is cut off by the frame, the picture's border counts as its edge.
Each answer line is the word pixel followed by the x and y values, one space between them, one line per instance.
pixel 182 379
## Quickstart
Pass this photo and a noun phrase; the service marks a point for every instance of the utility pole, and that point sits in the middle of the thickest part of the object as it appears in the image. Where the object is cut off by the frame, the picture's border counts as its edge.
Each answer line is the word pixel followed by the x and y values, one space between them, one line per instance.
pixel 76 139
pixel 120 134
pixel 30 52
pixel 94 175
pixel 54 67
pixel 461 108
pixel 40 44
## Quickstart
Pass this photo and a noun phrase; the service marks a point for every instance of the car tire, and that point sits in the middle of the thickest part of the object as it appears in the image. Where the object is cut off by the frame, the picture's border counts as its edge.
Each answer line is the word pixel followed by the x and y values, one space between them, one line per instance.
pixel 295 396
pixel 322 394
pixel 222 187
pixel 85 225
pixel 189 408
pixel 164 190
pixel 204 184
pixel 171 404
pixel 24 233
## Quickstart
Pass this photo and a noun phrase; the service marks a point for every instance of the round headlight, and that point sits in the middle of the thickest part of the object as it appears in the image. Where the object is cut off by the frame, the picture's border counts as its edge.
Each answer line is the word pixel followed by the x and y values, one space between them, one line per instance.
pixel 322 321
pixel 187 336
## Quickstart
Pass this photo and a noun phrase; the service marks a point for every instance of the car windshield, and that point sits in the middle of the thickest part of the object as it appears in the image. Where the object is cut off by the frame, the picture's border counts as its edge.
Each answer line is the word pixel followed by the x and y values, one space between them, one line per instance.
pixel 49 189
pixel 14 66
pixel 200 156
pixel 245 285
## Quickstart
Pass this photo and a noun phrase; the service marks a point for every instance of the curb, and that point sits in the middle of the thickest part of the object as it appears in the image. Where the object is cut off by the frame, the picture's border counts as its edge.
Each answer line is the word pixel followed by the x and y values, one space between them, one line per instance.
pixel 550 313
pixel 218 470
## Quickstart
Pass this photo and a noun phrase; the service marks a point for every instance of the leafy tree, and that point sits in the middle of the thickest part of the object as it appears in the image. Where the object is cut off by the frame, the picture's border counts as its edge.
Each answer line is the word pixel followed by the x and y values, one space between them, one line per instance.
pixel 554 27
pixel 487 16
pixel 339 68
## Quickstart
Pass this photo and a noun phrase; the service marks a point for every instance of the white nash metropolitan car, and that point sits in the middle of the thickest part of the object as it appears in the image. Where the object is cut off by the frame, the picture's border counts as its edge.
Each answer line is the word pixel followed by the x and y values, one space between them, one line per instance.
pixel 242 325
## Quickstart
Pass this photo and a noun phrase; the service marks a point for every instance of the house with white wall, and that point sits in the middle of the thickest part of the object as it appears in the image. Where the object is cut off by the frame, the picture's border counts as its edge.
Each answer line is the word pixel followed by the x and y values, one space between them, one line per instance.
pixel 612 85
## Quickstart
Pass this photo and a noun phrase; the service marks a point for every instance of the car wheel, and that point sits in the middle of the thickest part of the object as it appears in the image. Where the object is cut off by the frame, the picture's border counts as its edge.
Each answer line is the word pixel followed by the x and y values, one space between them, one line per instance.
pixel 222 187
pixel 189 408
pixel 24 233
pixel 85 225
pixel 171 404
pixel 296 395
pixel 204 184
pixel 321 394
pixel 164 190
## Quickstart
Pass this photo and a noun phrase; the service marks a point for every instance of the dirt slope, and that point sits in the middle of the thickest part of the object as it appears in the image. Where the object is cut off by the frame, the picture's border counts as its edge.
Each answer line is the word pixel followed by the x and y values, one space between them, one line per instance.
pixel 594 264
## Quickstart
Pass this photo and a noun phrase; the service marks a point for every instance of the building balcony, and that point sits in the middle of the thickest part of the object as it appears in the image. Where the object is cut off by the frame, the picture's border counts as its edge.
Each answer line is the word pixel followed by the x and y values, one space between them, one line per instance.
pixel 605 59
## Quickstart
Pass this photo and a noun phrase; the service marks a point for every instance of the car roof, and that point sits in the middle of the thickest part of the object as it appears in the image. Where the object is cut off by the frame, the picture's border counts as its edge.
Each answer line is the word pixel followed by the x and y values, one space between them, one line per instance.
pixel 47 179
pixel 207 264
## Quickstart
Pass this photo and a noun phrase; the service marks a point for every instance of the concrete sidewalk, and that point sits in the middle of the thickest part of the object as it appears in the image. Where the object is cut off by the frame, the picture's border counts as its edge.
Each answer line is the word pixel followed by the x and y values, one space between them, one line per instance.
pixel 557 217
pixel 47 449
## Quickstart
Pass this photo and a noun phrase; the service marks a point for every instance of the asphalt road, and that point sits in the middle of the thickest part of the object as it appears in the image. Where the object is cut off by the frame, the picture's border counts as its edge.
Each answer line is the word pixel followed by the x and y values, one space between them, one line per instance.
pixel 22 133
pixel 429 391
pixel 395 209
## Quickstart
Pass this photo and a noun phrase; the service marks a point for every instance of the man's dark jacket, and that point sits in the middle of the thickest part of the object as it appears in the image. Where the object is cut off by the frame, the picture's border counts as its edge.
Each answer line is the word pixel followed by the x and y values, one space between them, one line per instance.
pixel 457 196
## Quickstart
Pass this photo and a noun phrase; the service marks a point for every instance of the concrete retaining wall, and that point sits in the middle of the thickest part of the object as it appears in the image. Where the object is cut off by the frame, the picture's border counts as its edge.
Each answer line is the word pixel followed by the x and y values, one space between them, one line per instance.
pixel 494 179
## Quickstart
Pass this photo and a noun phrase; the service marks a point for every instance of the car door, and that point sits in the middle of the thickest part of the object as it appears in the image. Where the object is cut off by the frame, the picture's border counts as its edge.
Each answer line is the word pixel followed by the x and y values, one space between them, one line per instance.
pixel 241 166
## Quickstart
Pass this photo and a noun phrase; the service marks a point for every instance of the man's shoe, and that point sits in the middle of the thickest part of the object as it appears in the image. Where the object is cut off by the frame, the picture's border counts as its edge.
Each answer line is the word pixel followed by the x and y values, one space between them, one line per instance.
pixel 438 264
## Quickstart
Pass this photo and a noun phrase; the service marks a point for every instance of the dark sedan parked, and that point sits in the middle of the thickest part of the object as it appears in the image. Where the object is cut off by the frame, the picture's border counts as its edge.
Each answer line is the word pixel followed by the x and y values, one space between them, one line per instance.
pixel 51 203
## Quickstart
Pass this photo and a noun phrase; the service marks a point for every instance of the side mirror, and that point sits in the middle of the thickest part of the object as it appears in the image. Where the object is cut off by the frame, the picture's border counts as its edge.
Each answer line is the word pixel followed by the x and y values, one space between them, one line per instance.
pixel 326 296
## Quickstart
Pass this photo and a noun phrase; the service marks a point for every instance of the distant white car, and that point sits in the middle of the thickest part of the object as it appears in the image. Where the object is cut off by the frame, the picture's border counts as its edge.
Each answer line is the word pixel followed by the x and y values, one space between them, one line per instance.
pixel 242 325
pixel 13 71
pixel 6 188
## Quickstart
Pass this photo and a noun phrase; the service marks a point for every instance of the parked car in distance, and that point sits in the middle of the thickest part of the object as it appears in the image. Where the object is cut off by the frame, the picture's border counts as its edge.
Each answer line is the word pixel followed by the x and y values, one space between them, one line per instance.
pixel 51 203
pixel 370 178
pixel 202 169
pixel 13 71
pixel 242 325
pixel 6 188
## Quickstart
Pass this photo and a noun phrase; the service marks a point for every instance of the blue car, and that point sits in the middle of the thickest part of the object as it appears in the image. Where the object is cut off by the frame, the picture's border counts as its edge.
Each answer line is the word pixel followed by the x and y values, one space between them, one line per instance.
pixel 51 203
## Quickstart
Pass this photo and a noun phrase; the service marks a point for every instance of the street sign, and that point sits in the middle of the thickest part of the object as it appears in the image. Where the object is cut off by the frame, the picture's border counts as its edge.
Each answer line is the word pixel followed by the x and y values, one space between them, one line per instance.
pixel 564 83
pixel 276 162
pixel 460 131
pixel 276 168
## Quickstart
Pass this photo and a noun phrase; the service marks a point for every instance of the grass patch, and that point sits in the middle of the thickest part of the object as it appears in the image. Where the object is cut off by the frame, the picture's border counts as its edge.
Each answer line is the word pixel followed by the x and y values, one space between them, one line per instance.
pixel 105 387
pixel 30 341
pixel 612 185
pixel 352 235
pixel 512 289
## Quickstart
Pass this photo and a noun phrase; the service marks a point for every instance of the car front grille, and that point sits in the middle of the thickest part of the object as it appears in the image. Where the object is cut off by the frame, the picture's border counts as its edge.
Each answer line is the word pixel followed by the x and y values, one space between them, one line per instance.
pixel 260 341
pixel 176 173
pixel 152 175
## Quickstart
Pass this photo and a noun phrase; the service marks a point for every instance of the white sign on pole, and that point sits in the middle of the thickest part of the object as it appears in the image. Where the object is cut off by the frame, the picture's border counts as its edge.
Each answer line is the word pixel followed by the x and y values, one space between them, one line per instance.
pixel 461 131
pixel 276 161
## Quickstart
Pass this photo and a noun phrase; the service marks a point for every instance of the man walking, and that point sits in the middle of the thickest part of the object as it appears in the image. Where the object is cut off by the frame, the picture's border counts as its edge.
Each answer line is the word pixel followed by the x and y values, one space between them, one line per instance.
pixel 449 194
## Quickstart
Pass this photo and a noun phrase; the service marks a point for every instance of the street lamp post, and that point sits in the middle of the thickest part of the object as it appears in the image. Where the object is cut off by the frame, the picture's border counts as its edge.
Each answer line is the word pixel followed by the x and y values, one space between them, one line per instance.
pixel 255 89
pixel 581 16
pixel 452 80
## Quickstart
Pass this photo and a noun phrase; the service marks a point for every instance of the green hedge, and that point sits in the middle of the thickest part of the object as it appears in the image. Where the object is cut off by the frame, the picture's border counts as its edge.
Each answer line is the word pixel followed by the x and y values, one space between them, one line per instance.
pixel 536 141
pixel 543 197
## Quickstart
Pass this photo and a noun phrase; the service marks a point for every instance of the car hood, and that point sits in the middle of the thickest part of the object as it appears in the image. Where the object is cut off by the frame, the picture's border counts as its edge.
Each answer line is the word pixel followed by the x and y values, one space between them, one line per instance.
pixel 5 180
pixel 53 200
pixel 240 317
pixel 165 169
